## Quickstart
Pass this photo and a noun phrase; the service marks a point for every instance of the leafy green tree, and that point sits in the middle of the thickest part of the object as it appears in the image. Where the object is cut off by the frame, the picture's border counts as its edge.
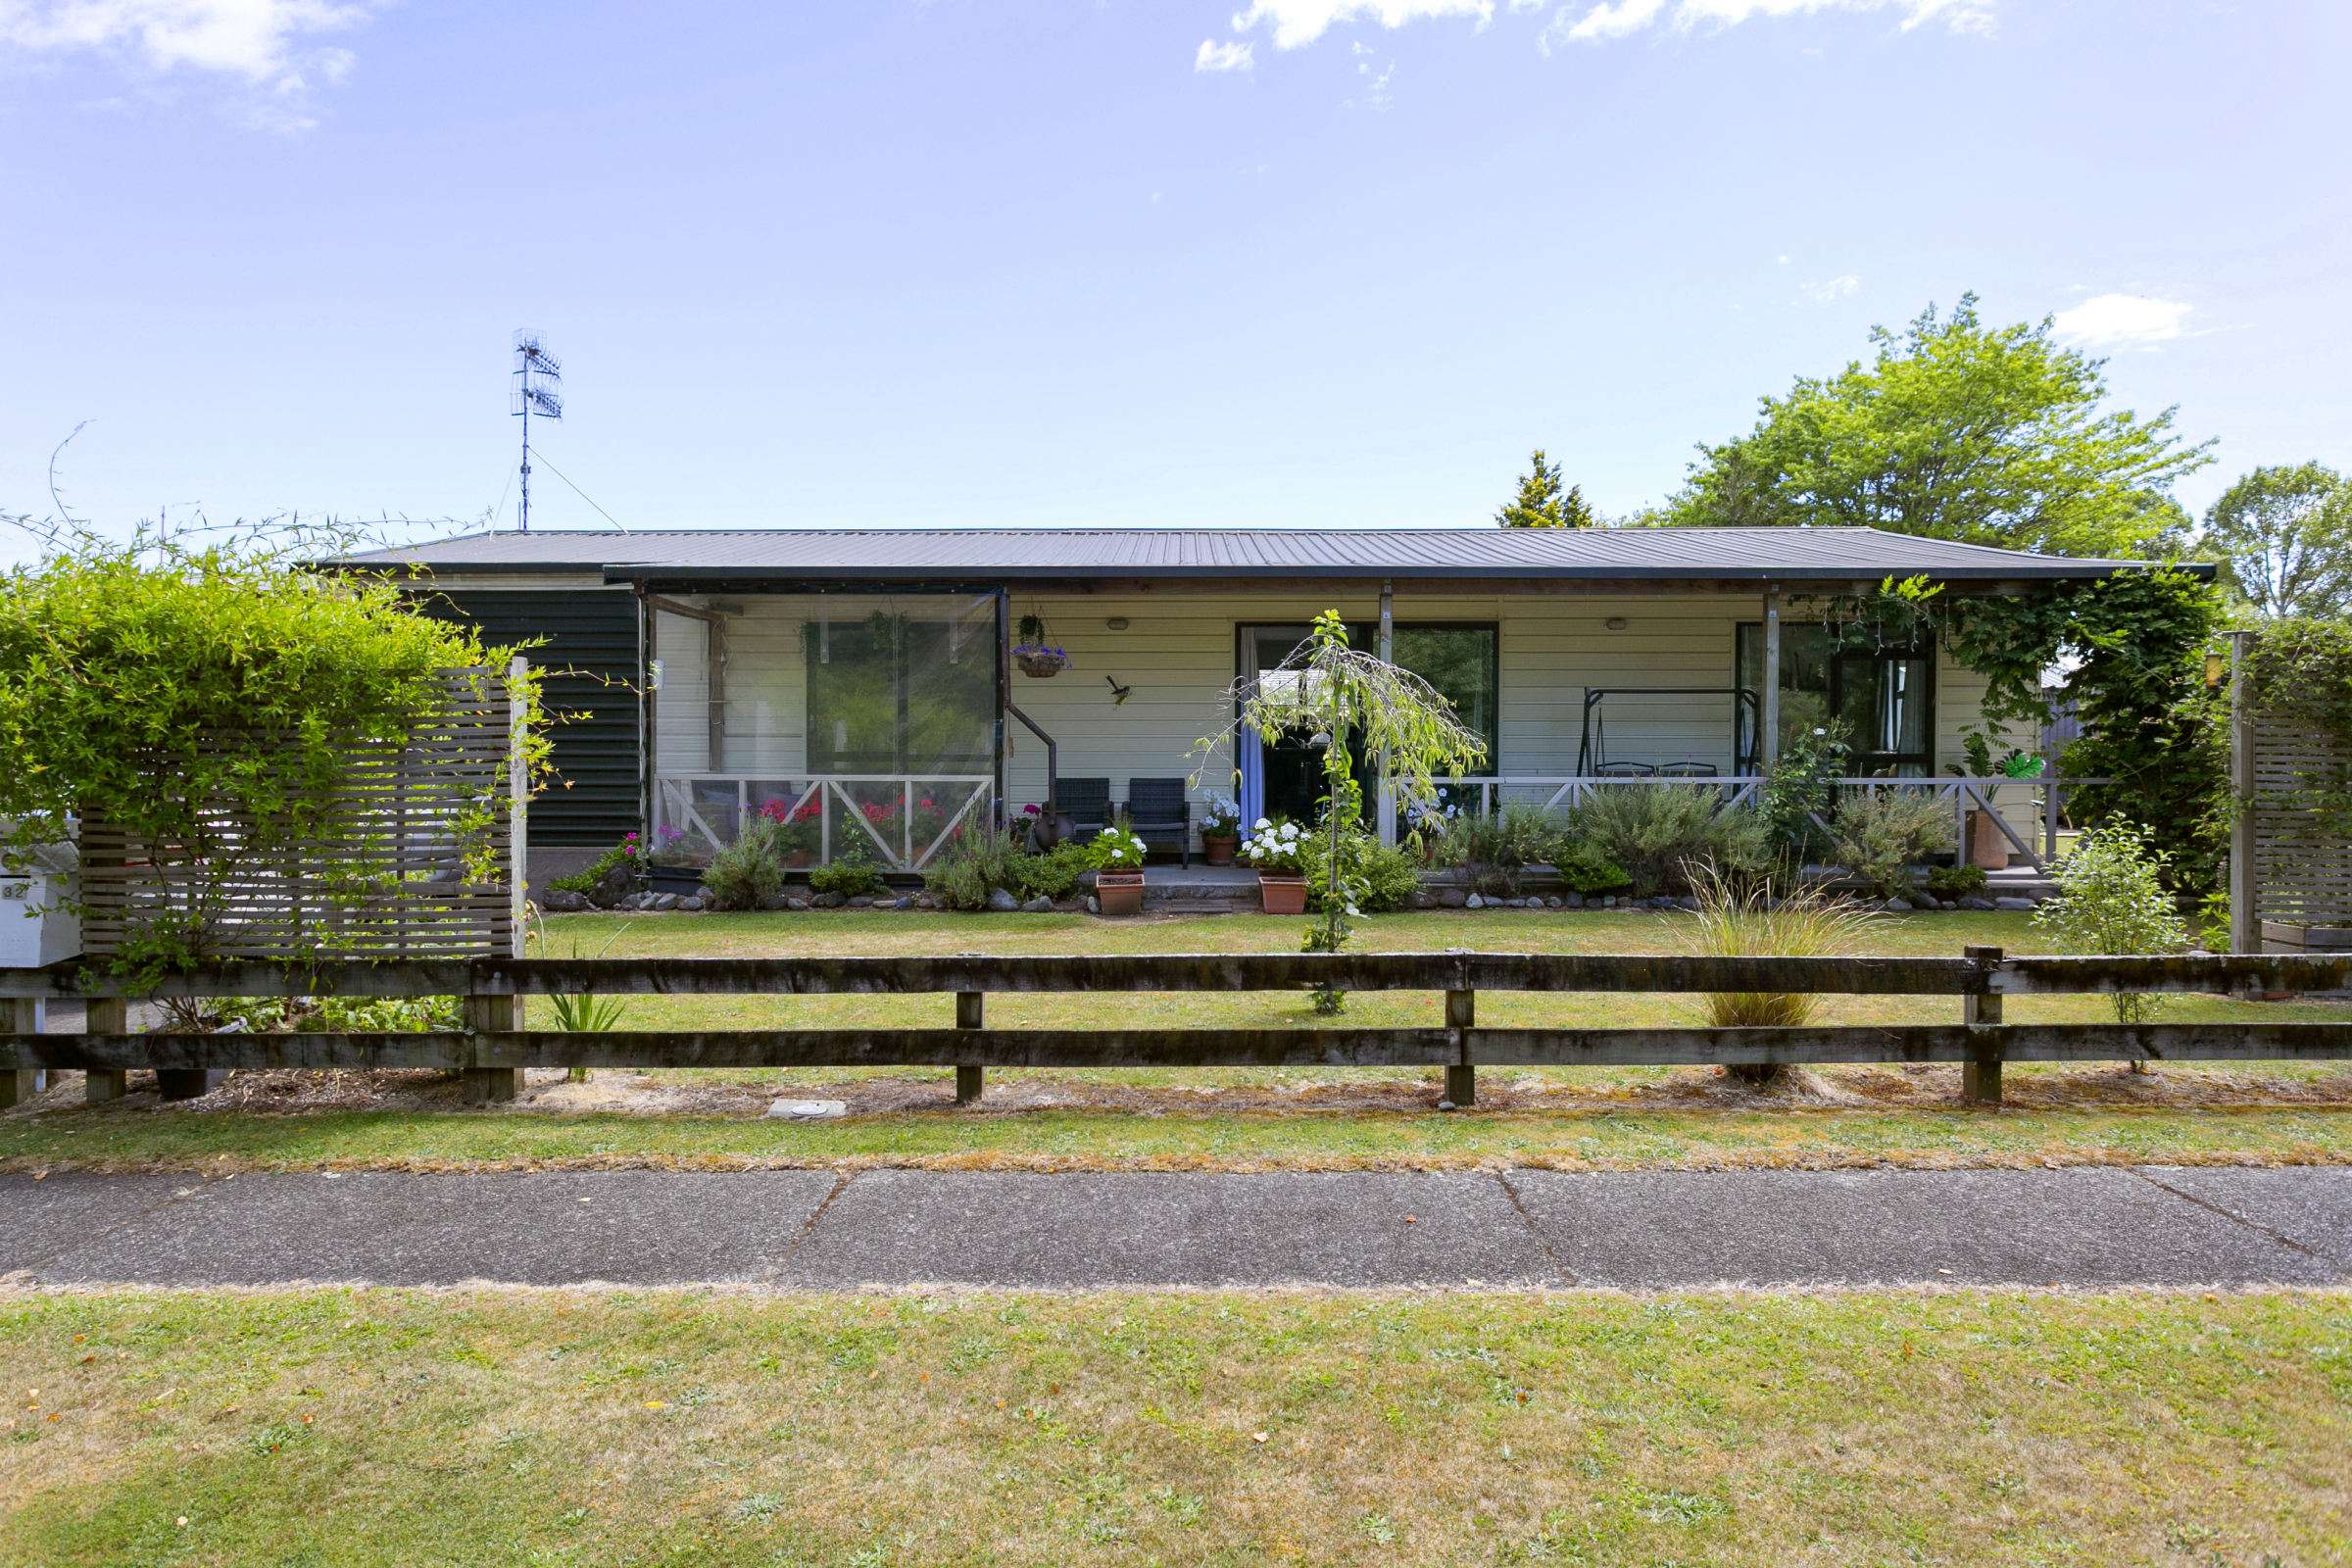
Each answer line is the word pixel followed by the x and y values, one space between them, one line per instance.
pixel 1543 502
pixel 1953 429
pixel 2282 537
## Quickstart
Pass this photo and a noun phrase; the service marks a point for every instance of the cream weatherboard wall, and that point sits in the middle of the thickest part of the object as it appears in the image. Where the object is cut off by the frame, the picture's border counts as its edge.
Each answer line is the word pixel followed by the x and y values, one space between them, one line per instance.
pixel 1176 656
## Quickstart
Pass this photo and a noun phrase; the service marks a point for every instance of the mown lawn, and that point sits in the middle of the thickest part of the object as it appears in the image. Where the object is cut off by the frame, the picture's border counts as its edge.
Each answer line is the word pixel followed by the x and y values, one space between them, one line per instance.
pixel 323 1428
pixel 1251 1118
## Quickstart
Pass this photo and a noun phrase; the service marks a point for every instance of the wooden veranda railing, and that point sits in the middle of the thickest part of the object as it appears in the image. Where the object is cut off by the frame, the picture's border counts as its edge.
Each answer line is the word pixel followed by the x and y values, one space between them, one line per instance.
pixel 496 1048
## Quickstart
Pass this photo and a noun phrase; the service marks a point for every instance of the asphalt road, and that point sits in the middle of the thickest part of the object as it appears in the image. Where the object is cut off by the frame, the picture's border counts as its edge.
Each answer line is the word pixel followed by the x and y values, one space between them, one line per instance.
pixel 818 1229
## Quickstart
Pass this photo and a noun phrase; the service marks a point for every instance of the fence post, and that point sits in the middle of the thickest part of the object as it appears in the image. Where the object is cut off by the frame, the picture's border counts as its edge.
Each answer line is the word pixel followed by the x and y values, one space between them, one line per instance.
pixel 968 1074
pixel 491 1013
pixel 2245 894
pixel 20 1084
pixel 105 1015
pixel 1461 1078
pixel 1981 1075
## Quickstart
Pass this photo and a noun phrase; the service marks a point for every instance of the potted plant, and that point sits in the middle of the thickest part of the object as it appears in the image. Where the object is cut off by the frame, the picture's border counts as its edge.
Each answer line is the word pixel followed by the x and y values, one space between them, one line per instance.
pixel 1116 855
pixel 1039 659
pixel 1277 849
pixel 1220 830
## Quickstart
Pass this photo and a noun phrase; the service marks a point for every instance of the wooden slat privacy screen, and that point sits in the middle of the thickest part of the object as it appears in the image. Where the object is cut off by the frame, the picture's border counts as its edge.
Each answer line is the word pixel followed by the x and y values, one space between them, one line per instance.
pixel 2302 867
pixel 388 878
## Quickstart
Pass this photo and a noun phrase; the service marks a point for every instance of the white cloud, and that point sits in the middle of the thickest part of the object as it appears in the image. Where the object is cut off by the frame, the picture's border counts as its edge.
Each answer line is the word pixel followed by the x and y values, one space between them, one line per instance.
pixel 1296 23
pixel 1831 290
pixel 1216 56
pixel 1618 19
pixel 1376 78
pixel 265 42
pixel 2121 320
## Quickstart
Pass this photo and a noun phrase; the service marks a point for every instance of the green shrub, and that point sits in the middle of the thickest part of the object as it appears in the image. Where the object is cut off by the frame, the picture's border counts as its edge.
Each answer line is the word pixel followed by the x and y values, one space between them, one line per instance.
pixel 1880 835
pixel 1498 848
pixel 748 870
pixel 2112 900
pixel 1588 869
pixel 1052 875
pixel 1956 881
pixel 1659 834
pixel 1385 879
pixel 852 876
pixel 1800 787
pixel 961 875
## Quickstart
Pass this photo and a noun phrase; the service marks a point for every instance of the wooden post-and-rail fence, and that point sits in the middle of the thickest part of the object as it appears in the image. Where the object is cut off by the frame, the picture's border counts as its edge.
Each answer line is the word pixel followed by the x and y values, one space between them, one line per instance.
pixel 494 1048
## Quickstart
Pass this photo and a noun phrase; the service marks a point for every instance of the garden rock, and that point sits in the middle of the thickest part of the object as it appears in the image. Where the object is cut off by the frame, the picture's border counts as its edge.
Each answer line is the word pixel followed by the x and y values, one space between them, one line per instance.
pixel 1003 902
pixel 1453 897
pixel 1686 902
pixel 690 903
pixel 2014 906
pixel 797 904
pixel 613 888
pixel 1041 904
pixel 663 902
pixel 827 901
pixel 1418 899
pixel 1476 901
pixel 1974 902
pixel 1895 907
pixel 777 900
pixel 559 901
pixel 1574 900
pixel 1094 905
pixel 924 901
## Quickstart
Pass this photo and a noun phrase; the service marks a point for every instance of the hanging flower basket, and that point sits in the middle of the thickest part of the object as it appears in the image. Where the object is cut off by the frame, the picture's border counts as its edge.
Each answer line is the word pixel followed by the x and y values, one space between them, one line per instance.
pixel 1039 659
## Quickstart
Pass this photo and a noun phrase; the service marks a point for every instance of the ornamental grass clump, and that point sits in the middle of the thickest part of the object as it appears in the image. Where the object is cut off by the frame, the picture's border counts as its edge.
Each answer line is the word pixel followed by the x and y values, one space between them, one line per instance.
pixel 1739 917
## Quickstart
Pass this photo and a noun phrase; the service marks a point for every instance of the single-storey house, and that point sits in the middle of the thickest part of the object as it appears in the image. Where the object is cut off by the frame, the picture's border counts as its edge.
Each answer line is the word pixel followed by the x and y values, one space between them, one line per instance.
pixel 861 683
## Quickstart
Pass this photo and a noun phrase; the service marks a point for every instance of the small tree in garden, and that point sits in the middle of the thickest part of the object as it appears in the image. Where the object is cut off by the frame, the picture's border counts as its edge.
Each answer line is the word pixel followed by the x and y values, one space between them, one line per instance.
pixel 2112 900
pixel 1339 694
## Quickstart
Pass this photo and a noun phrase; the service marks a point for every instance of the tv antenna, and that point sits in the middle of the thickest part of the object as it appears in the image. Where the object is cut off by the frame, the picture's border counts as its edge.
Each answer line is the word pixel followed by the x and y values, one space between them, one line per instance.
pixel 537 374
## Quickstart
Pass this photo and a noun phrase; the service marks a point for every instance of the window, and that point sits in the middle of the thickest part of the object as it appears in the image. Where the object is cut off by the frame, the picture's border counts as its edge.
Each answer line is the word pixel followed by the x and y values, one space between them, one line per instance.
pixel 1879 701
pixel 1460 662
pixel 906 688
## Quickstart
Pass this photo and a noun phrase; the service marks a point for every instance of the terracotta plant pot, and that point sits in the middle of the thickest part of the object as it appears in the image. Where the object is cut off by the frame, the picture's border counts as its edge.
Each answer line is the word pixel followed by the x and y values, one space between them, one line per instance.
pixel 1219 851
pixel 1282 892
pixel 1987 847
pixel 1119 893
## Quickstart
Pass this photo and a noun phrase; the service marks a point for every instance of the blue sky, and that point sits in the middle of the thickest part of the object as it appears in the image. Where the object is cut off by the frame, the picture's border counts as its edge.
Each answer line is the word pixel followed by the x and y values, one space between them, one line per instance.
pixel 1319 262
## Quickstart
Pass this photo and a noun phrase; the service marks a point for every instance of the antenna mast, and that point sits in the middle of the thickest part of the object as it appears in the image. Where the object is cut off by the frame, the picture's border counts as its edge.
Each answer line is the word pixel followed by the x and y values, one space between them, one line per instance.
pixel 537 374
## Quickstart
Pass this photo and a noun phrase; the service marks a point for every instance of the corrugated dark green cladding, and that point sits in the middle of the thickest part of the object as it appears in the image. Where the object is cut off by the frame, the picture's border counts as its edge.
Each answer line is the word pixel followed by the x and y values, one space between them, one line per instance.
pixel 591 634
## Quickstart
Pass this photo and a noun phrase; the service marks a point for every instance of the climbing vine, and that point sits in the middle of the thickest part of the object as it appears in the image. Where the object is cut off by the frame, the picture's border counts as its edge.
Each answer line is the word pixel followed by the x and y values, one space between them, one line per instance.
pixel 2298 676
pixel 2137 640
pixel 206 703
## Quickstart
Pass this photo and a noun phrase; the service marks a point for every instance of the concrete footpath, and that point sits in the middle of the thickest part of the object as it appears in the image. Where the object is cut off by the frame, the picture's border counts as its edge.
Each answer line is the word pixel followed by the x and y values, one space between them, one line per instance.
pixel 819 1230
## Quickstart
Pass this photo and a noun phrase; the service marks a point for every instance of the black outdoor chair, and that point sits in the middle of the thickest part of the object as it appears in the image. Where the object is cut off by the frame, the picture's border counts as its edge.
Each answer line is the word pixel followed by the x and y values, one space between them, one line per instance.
pixel 1625 771
pixel 1687 770
pixel 1157 811
pixel 1086 802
